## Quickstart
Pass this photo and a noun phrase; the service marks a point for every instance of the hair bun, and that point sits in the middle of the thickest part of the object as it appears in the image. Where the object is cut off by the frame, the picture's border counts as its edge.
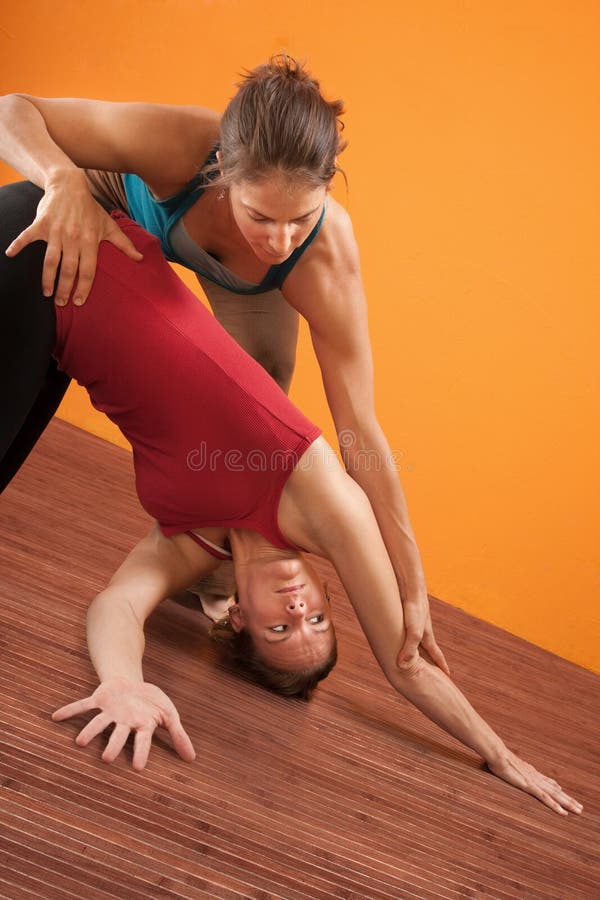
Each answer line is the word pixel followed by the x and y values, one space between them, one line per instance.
pixel 279 120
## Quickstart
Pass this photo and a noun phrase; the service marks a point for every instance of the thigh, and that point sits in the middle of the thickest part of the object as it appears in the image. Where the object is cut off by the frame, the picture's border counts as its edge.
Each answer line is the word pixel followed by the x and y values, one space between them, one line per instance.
pixel 43 408
pixel 27 318
pixel 265 325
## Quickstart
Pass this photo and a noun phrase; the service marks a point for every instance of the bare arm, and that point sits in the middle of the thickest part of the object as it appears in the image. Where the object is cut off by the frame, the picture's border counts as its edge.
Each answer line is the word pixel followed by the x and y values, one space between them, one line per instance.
pixel 156 568
pixel 328 513
pixel 164 145
pixel 50 142
pixel 326 288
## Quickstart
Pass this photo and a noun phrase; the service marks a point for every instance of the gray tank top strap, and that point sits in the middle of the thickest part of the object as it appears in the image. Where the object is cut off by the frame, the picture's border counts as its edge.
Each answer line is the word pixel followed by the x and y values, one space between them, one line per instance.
pixel 185 251
pixel 203 263
pixel 108 188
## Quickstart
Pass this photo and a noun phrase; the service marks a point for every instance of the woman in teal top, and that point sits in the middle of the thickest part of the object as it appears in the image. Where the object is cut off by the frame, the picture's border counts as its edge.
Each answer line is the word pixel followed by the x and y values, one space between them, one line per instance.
pixel 259 205
pixel 164 219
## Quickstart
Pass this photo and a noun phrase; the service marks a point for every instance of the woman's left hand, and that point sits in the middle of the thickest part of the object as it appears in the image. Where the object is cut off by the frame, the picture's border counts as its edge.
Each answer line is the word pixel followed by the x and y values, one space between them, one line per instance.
pixel 419 634
pixel 129 706
pixel 522 775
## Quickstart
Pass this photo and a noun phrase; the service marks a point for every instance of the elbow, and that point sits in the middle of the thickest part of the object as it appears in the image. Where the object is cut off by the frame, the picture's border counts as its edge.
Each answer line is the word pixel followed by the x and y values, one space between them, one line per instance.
pixel 14 108
pixel 413 669
pixel 11 100
pixel 409 675
pixel 6 106
pixel 100 602
pixel 115 609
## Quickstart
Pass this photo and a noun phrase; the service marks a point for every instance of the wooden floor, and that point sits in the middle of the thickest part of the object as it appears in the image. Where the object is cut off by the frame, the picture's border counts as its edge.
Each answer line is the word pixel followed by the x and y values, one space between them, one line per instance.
pixel 353 795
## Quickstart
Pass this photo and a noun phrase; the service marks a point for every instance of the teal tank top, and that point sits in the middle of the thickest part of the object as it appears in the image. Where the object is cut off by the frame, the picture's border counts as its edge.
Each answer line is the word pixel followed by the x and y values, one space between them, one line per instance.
pixel 160 216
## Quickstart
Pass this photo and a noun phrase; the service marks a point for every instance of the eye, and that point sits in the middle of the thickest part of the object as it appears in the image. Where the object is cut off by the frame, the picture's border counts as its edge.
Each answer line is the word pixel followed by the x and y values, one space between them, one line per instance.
pixel 258 218
pixel 314 620
pixel 279 628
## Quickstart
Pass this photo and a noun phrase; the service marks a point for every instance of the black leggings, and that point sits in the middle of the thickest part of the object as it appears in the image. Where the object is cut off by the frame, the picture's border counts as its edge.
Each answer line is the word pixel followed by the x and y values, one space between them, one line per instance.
pixel 31 387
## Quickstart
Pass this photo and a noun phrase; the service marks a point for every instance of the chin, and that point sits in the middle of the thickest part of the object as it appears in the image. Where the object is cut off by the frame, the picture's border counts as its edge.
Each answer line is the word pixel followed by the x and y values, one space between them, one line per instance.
pixel 273 259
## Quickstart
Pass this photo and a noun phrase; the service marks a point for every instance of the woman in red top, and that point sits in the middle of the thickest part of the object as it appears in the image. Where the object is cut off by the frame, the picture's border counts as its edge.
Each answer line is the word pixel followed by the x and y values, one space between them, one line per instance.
pixel 163 369
pixel 266 239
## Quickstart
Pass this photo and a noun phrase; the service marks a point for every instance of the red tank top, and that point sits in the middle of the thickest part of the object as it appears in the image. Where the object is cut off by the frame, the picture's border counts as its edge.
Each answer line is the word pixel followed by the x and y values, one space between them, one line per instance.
pixel 214 438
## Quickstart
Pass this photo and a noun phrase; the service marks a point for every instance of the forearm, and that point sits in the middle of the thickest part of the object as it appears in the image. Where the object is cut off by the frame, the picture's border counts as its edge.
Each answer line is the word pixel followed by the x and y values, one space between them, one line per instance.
pixel 355 547
pixel 371 464
pixel 27 147
pixel 156 568
pixel 436 695
pixel 115 638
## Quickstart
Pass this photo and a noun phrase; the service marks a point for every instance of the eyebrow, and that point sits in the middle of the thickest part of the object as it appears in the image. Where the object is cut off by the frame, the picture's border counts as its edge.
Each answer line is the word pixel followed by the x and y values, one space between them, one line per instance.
pixel 288 635
pixel 305 215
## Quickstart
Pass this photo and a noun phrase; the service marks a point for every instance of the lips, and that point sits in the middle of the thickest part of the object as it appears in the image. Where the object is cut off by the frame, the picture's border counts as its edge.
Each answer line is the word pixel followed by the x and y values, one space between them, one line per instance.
pixel 280 256
pixel 290 589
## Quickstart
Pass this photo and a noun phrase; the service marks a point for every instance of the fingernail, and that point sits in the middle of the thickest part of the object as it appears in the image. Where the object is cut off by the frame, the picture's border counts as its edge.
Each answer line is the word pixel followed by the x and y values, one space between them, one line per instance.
pixel 59 301
pixel 78 301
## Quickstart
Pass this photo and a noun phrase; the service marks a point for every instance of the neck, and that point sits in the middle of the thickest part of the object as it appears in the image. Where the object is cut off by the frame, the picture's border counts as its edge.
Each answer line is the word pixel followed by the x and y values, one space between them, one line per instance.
pixel 224 228
pixel 252 553
pixel 249 546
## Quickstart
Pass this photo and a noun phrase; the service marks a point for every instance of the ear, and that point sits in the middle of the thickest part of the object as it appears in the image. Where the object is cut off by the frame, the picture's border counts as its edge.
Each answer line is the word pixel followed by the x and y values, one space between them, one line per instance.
pixel 235 617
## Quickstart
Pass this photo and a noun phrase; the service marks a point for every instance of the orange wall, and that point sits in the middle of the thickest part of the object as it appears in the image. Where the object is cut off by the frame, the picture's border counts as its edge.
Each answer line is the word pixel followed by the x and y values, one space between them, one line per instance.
pixel 474 188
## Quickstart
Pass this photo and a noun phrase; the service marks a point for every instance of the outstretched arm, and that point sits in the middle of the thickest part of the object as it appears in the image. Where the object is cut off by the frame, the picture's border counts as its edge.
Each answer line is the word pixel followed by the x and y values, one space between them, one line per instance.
pixel 345 531
pixel 326 287
pixel 156 568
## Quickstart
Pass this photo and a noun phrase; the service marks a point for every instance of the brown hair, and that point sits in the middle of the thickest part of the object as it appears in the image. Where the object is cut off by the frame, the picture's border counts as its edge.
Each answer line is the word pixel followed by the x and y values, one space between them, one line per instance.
pixel 279 120
pixel 241 650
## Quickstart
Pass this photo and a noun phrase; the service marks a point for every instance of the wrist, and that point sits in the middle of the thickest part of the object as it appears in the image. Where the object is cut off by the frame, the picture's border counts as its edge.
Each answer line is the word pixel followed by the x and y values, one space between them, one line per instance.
pixel 65 175
pixel 126 666
pixel 418 593
pixel 496 754
pixel 123 680
pixel 120 680
pixel 413 591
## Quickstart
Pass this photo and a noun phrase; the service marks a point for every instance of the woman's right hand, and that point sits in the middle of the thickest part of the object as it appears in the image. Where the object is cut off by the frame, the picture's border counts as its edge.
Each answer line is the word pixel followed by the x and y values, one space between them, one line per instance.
pixel 72 223
pixel 523 775
pixel 129 706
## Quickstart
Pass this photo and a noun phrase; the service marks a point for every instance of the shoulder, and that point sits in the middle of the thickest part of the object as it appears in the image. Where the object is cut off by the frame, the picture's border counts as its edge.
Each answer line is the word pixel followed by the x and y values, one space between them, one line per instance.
pixel 191 133
pixel 335 245
pixel 329 269
pixel 195 127
pixel 184 558
pixel 321 504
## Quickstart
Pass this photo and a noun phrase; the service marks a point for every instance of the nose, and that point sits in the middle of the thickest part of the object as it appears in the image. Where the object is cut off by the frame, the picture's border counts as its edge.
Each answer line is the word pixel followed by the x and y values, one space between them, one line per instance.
pixel 280 241
pixel 295 607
